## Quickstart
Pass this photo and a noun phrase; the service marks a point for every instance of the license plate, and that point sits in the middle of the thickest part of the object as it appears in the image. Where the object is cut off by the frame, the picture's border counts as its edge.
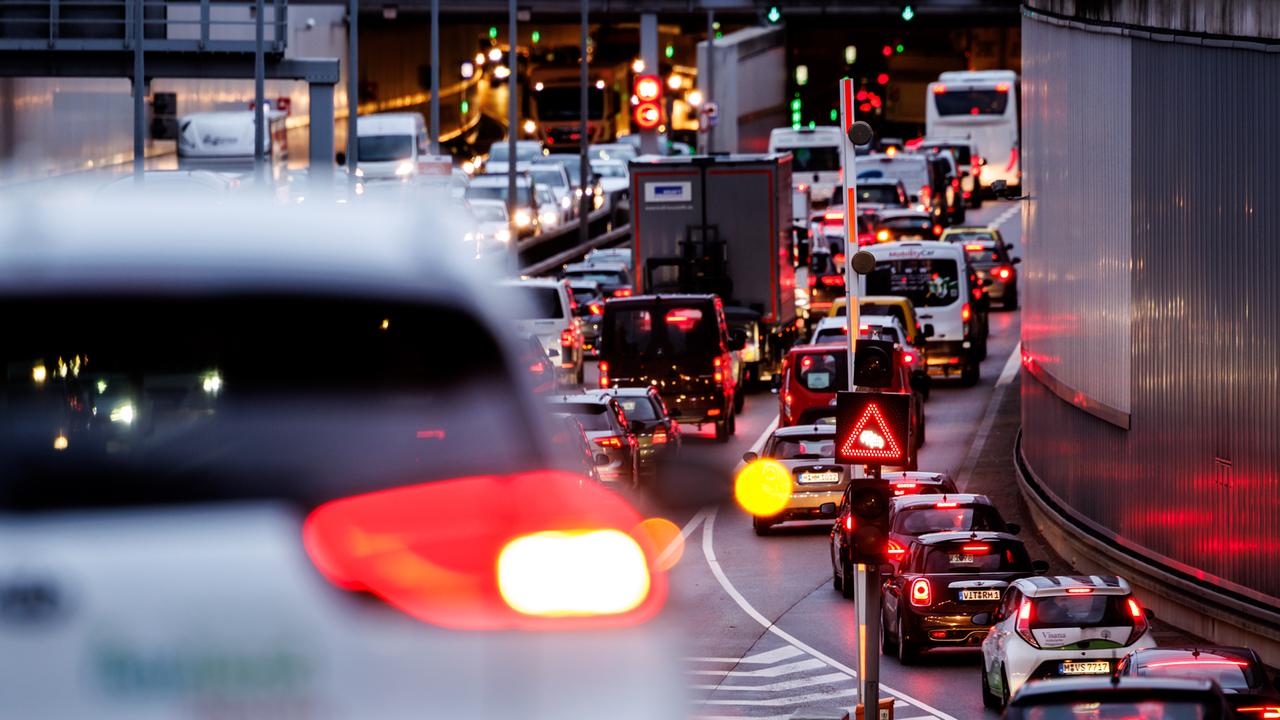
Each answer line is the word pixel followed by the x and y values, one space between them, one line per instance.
pixel 979 594
pixel 819 478
pixel 1098 667
pixel 961 559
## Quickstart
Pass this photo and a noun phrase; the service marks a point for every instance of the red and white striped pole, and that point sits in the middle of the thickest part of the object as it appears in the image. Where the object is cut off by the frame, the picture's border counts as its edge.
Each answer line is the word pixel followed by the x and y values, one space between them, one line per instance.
pixel 847 155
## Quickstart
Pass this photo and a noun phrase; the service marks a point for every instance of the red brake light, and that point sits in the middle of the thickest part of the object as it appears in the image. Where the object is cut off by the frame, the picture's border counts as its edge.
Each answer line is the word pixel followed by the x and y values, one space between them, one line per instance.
pixel 832 280
pixel 611 441
pixel 1004 273
pixel 973 247
pixel 813 281
pixel 596 308
pixel 566 338
pixel 833 217
pixel 937 229
pixel 965 312
pixel 848 523
pixel 895 551
pixel 410 547
pixel 603 366
pixel 806 362
pixel 622 293
pixel 939 89
pixel 947 505
pixel 660 436
pixel 1023 625
pixel 905 486
pixel 1134 611
pixel 1140 623
pixel 1002 87
pixel 838 259
pixel 537 368
pixel 976 549
pixel 1079 591
pixel 920 592
pixel 1201 663
pixel 717 362
pixel 909 358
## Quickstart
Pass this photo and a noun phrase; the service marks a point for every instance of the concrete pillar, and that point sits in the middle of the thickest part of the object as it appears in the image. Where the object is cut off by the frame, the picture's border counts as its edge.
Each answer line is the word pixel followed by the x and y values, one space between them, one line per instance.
pixel 649 54
pixel 320 149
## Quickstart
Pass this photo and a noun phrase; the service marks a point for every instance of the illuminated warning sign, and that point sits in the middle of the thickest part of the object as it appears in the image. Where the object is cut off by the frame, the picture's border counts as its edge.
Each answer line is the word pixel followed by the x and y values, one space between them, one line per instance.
pixel 873 428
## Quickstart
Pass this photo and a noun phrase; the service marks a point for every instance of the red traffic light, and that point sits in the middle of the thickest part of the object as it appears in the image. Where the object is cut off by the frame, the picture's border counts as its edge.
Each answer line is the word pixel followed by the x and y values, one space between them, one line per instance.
pixel 872 428
pixel 648 88
pixel 648 115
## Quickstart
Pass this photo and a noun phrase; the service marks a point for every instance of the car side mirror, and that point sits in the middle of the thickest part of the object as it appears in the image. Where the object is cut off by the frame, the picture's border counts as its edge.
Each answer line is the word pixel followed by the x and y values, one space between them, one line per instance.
pixel 1151 614
pixel 775 383
pixel 827 508
pixel 928 330
pixel 601 459
pixel 1039 567
pixel 983 619
pixel 1008 246
pixel 1013 528
pixel 749 457
pixel 1015 261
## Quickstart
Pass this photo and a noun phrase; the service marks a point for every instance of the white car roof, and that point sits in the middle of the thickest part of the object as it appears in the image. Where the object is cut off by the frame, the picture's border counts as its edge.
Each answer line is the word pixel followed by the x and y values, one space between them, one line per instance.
pixel 1053 585
pixel 388 123
pixel 910 249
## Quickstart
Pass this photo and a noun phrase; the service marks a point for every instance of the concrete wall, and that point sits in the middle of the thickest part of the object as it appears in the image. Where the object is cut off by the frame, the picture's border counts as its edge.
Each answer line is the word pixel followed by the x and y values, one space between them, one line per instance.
pixel 1151 310
pixel 1230 18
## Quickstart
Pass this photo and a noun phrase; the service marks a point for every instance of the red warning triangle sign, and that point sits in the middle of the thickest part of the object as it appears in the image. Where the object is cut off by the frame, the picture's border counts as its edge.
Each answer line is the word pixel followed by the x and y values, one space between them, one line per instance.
pixel 871 438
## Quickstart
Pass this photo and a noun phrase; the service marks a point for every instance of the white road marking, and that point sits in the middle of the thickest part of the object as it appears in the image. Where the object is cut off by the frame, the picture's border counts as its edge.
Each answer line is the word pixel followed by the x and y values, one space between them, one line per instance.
pixel 989 416
pixel 795 667
pixel 708 551
pixel 786 652
pixel 677 545
pixel 1003 217
pixel 829 678
pixel 792 700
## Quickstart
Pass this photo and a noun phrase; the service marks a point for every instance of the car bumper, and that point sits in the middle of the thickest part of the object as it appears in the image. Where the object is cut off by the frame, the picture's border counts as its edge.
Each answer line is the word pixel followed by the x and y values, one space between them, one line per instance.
pixel 947 356
pixel 698 410
pixel 804 504
pixel 945 630
pixel 1024 663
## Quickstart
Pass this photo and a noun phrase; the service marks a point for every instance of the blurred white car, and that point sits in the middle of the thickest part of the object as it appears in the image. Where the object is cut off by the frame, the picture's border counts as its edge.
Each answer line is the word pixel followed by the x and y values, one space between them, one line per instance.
pixel 493 228
pixel 237 481
pixel 614 176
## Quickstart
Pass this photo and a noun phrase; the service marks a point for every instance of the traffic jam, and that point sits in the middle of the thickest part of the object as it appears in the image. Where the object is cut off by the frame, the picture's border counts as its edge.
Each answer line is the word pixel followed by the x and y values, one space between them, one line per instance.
pixel 583 419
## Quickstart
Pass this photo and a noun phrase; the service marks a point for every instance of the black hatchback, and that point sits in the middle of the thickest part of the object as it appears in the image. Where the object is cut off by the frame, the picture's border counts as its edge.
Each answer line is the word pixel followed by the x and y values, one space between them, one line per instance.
pixel 657 433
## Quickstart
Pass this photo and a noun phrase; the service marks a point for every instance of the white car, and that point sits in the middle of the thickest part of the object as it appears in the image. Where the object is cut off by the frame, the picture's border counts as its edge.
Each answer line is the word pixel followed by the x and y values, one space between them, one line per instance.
pixel 492 231
pixel 614 176
pixel 546 312
pixel 554 176
pixel 1064 626
pixel 551 214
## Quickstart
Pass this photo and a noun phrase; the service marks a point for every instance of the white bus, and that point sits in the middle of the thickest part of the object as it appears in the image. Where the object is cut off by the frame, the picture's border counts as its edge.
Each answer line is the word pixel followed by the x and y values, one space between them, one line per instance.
pixel 815 157
pixel 981 106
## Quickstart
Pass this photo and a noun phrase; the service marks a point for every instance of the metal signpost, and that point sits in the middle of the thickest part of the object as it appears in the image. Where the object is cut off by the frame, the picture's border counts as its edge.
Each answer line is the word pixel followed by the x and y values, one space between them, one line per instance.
pixel 512 133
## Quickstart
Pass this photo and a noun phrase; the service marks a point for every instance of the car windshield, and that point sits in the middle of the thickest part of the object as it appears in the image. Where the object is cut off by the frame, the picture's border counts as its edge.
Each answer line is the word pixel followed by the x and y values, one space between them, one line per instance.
pixel 550 178
pixel 927 282
pixel 609 170
pixel 809 447
pixel 123 400
pixel 879 194
pixel 489 213
pixel 971 102
pixel 499 152
pixel 638 408
pixel 496 192
pixel 583 293
pixel 814 158
pixel 559 103
pixel 593 416
pixel 822 372
pixel 929 519
pixel 384 148
pixel 910 171
pixel 539 303
pixel 604 277
pixel 977 556
pixel 660 331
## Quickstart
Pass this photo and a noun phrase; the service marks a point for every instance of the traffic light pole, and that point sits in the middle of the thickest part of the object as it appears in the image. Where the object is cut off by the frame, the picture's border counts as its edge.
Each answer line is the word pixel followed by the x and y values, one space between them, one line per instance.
pixel 851 283
pixel 867 597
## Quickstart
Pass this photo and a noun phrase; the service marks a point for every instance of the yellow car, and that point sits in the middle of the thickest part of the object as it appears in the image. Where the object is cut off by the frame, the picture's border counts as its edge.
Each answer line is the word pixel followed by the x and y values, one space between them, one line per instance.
pixel 893 305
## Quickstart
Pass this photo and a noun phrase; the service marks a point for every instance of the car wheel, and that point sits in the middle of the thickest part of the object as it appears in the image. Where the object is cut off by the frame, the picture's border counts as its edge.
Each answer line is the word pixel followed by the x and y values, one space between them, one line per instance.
pixel 1011 298
pixel 886 645
pixel 722 431
pixel 908 653
pixel 969 376
pixel 733 424
pixel 1004 688
pixel 849 585
pixel 739 401
pixel 837 583
pixel 989 699
pixel 760 525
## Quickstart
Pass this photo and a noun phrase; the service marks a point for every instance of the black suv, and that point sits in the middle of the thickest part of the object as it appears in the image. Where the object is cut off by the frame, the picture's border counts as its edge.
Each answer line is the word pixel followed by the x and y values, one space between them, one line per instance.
pixel 679 344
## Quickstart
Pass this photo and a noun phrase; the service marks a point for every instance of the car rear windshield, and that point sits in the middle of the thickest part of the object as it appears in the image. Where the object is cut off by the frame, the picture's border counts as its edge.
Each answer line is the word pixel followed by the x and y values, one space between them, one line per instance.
pixel 593 416
pixel 972 102
pixel 814 158
pixel 604 277
pixel 912 172
pixel 583 294
pixel 639 408
pixel 814 447
pixel 822 372
pixel 549 178
pixel 872 308
pixel 1072 611
pixel 498 152
pixel 1224 671
pixel 666 331
pixel 915 224
pixel 829 335
pixel 930 519
pixel 129 400
pixel 977 556
pixel 489 213
pixel 881 194
pixel 498 192
pixel 1102 708
pixel 960 152
pixel 927 282
pixel 384 148
pixel 539 303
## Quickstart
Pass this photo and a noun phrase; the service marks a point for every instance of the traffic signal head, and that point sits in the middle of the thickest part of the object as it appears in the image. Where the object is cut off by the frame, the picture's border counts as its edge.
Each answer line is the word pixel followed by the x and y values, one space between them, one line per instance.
pixel 648 88
pixel 648 115
pixel 873 364
pixel 868 523
pixel 648 109
pixel 873 427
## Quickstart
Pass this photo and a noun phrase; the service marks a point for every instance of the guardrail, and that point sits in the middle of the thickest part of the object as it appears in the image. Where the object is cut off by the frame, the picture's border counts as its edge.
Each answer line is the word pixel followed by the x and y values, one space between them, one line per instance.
pixel 609 239
pixel 560 245
pixel 168 25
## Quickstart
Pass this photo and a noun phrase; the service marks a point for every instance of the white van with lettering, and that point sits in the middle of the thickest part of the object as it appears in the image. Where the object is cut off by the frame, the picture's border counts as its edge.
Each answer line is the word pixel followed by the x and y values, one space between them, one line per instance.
pixel 936 278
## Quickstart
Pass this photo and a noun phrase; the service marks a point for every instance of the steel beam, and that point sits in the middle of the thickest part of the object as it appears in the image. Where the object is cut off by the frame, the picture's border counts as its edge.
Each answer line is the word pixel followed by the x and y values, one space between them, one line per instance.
pixel 54 63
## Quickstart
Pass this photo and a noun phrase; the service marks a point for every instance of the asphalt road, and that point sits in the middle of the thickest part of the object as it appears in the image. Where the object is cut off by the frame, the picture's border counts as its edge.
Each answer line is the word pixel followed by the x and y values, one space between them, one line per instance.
pixel 767 633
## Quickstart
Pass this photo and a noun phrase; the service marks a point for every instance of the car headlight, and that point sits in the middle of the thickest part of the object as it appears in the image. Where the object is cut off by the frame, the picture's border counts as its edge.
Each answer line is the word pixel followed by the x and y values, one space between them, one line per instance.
pixel 471 237
pixel 565 202
pixel 503 235
pixel 404 169
pixel 523 219
pixel 468 167
pixel 122 414
pixel 359 172
pixel 547 218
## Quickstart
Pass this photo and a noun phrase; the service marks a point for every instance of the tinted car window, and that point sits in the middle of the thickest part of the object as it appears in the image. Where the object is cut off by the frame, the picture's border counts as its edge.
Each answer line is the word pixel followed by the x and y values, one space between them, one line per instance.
pixel 925 519
pixel 883 309
pixel 383 148
pixel 540 303
pixel 822 372
pixel 932 282
pixel 639 408
pixel 976 556
pixel 814 158
pixel 593 416
pixel 1079 611
pixel 971 102
pixel 112 400
pixel 662 330
pixel 882 194
pixel 604 277
pixel 798 448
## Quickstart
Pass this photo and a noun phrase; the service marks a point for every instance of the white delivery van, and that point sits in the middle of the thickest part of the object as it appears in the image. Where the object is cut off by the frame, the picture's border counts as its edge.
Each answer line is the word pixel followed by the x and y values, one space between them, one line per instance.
pixel 815 157
pixel 911 170
pixel 935 277
pixel 390 146
pixel 223 141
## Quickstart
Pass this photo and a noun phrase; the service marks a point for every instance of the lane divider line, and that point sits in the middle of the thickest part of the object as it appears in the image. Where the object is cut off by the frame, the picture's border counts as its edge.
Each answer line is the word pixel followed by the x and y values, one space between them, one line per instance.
pixel 1003 217
pixel 678 544
pixel 1010 371
pixel 708 551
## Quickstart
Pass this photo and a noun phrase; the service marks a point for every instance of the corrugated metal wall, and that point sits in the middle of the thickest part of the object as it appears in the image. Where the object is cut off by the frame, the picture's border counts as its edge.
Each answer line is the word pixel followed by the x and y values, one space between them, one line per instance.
pixel 1075 322
pixel 1196 478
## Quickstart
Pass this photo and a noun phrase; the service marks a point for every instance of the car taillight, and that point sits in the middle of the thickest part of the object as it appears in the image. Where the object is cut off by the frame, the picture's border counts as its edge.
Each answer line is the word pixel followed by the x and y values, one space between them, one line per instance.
pixel 1023 624
pixel 838 259
pixel 946 505
pixel 833 217
pixel 1263 712
pixel 975 549
pixel 1140 623
pixel 848 523
pixel 717 372
pixel 566 338
pixel 895 550
pixel 925 193
pixel 549 553
pixel 1079 591
pixel 609 441
pixel 813 281
pixel 832 280
pixel 909 358
pixel 537 368
pixel 920 592
pixel 603 367
pixel 883 236
pixel 955 184
pixel 622 293
pixel 965 312
pixel 1004 273
pixel 596 308
pixel 660 436
pixel 937 229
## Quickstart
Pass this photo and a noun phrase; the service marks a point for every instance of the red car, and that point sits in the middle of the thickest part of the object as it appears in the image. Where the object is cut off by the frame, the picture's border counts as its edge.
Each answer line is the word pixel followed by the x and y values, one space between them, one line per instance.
pixel 811 375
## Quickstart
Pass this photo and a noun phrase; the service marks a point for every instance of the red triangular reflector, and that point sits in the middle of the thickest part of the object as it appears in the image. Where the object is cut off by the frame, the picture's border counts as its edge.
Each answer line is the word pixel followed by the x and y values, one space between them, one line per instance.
pixel 871 421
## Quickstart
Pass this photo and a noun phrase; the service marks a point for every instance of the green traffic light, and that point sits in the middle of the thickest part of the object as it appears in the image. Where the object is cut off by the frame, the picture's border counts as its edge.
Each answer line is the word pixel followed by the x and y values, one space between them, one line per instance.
pixel 538 36
pixel 899 48
pixel 835 115
pixel 670 51
pixel 493 32
pixel 465 107
pixel 795 105
pixel 908 13
pixel 774 15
